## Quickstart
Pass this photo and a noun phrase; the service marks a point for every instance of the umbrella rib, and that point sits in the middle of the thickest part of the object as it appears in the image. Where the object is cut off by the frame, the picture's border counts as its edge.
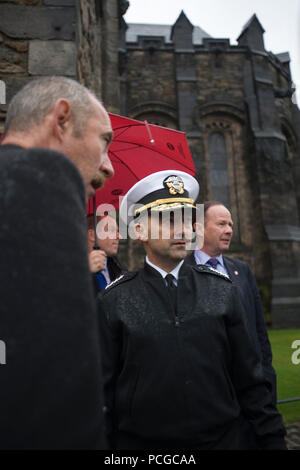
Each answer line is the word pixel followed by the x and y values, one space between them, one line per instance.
pixel 128 168
pixel 124 128
pixel 148 148
pixel 132 146
pixel 138 145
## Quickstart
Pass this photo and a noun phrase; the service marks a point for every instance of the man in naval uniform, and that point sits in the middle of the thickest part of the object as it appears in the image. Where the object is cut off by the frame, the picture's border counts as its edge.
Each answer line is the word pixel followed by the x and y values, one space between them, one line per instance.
pixel 179 364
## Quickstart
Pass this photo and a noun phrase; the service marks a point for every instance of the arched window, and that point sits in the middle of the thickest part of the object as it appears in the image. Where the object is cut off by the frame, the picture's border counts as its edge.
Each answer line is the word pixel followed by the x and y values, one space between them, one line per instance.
pixel 226 171
pixel 159 119
pixel 218 169
pixel 155 112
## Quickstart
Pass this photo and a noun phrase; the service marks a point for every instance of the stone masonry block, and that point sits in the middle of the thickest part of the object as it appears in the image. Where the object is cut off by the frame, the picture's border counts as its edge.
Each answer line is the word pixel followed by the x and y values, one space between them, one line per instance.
pixel 52 58
pixel 12 86
pixel 24 22
pixel 60 3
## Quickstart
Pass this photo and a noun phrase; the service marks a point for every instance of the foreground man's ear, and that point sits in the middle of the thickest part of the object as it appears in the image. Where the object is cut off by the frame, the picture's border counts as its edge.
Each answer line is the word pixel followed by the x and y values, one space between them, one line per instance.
pixel 61 115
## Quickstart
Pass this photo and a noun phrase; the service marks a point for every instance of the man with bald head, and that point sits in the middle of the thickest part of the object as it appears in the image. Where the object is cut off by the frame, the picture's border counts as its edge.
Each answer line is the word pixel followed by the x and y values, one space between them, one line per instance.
pixel 218 231
pixel 53 156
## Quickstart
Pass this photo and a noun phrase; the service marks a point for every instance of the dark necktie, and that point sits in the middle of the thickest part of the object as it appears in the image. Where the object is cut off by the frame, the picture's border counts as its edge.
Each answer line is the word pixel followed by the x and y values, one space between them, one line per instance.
pixel 101 281
pixel 170 281
pixel 213 262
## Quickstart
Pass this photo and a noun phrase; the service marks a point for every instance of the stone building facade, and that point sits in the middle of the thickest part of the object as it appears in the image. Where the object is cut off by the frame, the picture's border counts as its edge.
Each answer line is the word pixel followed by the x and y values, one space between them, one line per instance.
pixel 74 38
pixel 235 103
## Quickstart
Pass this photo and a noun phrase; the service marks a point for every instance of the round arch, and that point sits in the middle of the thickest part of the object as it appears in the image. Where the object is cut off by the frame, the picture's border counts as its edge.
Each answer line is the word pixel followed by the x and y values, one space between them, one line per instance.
pixel 155 112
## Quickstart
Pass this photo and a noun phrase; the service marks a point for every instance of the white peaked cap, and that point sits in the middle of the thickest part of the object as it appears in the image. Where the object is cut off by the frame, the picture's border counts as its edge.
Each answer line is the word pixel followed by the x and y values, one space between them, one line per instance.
pixel 152 188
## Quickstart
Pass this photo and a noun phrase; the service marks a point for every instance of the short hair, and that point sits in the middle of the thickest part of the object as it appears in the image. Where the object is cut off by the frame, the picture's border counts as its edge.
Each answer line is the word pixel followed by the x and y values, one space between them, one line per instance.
pixel 209 204
pixel 34 101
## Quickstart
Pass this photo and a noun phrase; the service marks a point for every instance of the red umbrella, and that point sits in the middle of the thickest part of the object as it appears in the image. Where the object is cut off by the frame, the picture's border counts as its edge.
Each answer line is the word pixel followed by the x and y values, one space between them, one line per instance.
pixel 137 150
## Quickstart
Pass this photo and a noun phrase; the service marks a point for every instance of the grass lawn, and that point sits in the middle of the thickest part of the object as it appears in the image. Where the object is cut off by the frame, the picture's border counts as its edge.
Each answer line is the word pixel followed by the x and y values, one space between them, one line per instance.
pixel 288 374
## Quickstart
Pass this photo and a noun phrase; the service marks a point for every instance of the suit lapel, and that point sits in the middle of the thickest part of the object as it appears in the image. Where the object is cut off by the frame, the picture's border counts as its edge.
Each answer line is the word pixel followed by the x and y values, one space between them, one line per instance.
pixel 232 270
pixel 229 265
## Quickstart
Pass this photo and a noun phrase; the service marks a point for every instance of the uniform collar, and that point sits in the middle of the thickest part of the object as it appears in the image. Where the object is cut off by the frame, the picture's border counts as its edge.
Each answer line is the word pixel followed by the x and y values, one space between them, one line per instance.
pixel 174 272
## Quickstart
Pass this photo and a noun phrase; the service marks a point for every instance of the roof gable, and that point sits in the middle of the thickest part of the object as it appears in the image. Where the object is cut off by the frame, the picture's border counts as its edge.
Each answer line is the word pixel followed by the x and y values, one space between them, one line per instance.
pixel 144 29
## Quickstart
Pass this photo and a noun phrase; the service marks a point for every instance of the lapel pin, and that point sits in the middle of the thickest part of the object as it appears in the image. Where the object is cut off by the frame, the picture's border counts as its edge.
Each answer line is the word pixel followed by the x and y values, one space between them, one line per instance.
pixel 236 273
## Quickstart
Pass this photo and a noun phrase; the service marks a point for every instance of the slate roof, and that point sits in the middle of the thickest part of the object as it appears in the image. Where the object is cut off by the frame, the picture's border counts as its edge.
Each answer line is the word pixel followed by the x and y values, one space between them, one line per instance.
pixel 283 57
pixel 143 29
pixel 249 22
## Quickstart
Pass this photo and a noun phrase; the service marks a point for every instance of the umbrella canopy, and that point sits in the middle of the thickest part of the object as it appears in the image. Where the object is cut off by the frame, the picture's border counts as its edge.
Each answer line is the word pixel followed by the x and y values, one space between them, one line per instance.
pixel 139 149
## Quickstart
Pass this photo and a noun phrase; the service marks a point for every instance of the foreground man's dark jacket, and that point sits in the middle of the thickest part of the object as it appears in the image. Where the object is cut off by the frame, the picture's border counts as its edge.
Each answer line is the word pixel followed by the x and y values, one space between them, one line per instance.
pixel 50 386
pixel 181 378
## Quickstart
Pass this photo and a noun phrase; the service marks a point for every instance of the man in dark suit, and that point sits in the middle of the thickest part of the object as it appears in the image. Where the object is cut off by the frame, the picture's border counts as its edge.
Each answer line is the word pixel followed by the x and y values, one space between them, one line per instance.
pixel 103 261
pixel 53 155
pixel 178 361
pixel 218 229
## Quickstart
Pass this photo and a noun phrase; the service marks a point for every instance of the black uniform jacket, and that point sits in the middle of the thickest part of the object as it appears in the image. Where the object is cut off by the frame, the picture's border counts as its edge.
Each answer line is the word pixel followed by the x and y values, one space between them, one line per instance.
pixel 50 386
pixel 241 275
pixel 183 374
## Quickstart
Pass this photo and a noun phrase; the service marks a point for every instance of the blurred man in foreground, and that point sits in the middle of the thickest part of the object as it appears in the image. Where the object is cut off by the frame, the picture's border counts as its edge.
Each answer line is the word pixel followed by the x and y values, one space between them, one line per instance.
pixel 53 156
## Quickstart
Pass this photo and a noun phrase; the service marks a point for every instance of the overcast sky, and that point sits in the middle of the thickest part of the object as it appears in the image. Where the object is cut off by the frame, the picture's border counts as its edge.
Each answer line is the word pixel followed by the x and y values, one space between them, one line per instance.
pixel 226 18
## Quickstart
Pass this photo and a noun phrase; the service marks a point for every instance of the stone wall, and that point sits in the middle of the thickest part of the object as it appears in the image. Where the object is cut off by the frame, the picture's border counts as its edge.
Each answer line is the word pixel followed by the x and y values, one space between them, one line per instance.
pixel 148 81
pixel 220 106
pixel 110 59
pixel 220 77
pixel 73 38
pixel 37 38
pixel 219 98
pixel 89 46
pixel 241 94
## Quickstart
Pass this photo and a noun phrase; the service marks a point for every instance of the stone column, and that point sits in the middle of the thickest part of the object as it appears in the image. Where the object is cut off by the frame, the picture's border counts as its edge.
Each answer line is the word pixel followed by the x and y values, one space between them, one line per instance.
pixel 88 39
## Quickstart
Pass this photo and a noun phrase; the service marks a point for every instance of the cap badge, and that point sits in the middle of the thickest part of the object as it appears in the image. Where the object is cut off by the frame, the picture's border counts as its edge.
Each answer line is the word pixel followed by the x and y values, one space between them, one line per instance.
pixel 174 184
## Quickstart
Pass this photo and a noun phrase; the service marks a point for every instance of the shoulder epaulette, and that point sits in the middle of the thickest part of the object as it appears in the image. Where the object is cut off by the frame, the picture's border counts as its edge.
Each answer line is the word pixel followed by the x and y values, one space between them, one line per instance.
pixel 207 269
pixel 123 278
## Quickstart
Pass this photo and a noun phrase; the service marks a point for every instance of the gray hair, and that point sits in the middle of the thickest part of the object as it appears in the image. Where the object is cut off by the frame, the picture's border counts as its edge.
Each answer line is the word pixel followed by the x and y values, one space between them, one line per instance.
pixel 34 101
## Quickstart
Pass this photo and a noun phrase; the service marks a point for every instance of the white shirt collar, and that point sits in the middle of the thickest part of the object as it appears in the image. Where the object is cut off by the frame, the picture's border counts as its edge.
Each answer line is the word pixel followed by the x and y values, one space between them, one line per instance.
pixel 105 272
pixel 202 258
pixel 163 273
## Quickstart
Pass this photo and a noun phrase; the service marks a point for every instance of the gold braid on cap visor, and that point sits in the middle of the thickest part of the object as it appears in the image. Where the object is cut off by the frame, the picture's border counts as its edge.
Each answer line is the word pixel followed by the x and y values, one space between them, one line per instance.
pixel 167 204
